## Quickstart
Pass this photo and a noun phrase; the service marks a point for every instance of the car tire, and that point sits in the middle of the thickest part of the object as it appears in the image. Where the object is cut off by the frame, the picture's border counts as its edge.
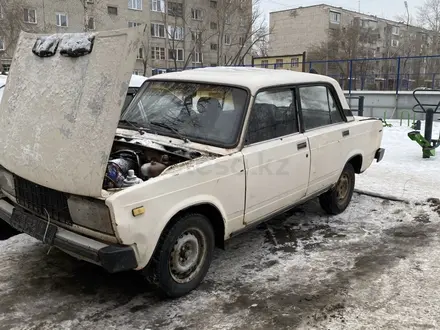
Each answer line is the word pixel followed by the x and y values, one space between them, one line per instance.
pixel 337 199
pixel 183 255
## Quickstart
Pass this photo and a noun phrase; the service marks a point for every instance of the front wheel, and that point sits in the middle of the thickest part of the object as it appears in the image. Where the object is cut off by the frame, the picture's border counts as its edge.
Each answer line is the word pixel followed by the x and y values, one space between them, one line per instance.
pixel 183 256
pixel 337 199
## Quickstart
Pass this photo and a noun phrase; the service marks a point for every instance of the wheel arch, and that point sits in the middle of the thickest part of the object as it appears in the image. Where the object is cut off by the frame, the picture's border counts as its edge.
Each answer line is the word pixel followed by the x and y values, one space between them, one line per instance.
pixel 211 212
pixel 356 162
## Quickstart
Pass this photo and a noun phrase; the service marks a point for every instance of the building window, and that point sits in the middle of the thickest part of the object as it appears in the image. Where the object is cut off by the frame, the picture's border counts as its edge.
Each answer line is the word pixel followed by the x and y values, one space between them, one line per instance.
pixel 135 4
pixel 196 14
pixel 394 43
pixel 294 62
pixel 335 17
pixel 140 54
pixel 112 10
pixel 178 54
pixel 395 30
pixel 176 32
pixel 157 30
pixel 214 46
pixel 196 36
pixel 198 57
pixel 175 9
pixel 62 20
pixel 264 64
pixel 213 4
pixel 133 24
pixel 2 44
pixel 227 39
pixel 158 5
pixel 91 23
pixel 279 63
pixel 30 15
pixel 158 53
pixel 213 26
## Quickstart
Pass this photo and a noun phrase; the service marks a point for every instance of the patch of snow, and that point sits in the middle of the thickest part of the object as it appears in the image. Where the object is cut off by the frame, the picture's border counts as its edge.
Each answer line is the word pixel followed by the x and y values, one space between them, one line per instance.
pixel 403 172
pixel 137 80
pixel 76 44
pixel 46 45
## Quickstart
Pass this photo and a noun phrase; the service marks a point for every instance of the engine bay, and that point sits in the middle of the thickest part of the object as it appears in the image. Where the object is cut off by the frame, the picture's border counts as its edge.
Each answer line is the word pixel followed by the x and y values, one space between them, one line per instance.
pixel 133 161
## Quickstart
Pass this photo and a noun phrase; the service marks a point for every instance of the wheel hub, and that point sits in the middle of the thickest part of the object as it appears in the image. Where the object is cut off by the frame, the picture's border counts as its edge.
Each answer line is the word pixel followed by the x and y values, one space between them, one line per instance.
pixel 187 256
pixel 342 188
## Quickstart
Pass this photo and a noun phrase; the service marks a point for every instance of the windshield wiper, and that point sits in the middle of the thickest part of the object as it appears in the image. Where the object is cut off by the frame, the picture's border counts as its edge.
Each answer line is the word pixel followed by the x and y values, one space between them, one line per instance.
pixel 170 128
pixel 133 124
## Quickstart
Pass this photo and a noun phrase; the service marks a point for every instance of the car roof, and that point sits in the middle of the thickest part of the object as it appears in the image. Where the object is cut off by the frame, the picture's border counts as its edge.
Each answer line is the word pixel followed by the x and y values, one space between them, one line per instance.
pixel 249 77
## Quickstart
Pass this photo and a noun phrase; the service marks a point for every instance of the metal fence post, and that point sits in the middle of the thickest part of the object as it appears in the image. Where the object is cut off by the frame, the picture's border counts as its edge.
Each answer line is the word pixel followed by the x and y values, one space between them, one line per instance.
pixel 361 105
pixel 398 75
pixel 351 77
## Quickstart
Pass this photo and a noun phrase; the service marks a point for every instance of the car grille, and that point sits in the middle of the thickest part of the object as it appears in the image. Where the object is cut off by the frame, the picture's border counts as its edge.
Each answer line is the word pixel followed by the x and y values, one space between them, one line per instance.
pixel 41 200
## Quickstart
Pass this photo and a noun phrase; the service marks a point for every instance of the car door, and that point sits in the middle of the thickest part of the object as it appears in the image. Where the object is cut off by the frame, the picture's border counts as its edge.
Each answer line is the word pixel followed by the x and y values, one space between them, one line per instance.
pixel 324 126
pixel 276 155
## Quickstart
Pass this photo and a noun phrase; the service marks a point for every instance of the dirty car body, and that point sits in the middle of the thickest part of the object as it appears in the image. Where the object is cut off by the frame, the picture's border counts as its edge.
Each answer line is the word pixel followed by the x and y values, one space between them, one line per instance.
pixel 197 157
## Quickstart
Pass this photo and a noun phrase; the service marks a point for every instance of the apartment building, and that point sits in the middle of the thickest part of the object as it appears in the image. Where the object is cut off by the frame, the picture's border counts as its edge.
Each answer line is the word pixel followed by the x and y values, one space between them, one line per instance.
pixel 178 34
pixel 298 29
pixel 304 28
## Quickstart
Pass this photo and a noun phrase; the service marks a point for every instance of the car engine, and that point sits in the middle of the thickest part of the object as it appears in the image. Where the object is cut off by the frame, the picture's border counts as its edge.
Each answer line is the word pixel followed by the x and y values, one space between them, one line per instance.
pixel 133 161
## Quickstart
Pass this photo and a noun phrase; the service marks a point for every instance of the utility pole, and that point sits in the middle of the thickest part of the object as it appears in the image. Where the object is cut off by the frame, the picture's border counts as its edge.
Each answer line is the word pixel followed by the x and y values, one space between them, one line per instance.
pixel 359 5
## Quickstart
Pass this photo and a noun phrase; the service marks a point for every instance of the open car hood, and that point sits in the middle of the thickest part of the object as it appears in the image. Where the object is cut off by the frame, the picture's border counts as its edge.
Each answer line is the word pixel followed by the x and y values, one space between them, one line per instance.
pixel 60 112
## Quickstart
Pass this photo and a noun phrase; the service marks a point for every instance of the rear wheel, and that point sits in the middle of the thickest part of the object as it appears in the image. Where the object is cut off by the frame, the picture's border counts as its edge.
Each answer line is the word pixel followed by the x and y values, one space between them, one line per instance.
pixel 183 256
pixel 337 199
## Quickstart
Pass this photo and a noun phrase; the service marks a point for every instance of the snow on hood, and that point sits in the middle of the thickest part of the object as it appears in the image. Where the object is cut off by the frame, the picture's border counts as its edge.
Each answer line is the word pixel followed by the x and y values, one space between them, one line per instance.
pixel 60 109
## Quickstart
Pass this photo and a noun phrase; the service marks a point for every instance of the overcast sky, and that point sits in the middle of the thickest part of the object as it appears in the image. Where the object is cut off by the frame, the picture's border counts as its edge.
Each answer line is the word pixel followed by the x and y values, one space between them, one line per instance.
pixel 383 8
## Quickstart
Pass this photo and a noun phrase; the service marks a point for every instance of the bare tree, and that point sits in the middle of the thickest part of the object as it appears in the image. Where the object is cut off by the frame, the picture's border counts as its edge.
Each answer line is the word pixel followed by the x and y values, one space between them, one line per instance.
pixel 343 44
pixel 185 31
pixel 428 17
pixel 145 50
pixel 14 18
pixel 91 13
pixel 261 48
pixel 241 25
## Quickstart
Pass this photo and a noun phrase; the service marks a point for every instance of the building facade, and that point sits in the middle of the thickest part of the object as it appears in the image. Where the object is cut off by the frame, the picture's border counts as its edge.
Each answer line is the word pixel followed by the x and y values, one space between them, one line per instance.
pixel 344 34
pixel 295 62
pixel 178 34
pixel 298 29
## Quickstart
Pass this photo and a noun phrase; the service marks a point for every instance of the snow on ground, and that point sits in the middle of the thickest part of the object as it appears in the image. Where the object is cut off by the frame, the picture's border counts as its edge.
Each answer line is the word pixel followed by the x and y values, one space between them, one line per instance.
pixel 373 267
pixel 403 172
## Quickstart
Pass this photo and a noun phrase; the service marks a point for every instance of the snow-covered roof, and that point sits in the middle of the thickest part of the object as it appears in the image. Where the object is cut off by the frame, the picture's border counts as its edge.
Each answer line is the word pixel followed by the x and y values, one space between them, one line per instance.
pixel 136 80
pixel 252 78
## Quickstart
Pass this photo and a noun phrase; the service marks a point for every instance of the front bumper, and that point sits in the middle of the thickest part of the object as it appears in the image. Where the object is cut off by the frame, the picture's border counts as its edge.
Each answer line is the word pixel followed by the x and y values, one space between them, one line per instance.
pixel 379 154
pixel 113 258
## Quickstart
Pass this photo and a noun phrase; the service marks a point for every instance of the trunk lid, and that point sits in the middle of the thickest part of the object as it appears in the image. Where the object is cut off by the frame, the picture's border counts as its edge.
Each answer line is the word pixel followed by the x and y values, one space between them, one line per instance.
pixel 59 114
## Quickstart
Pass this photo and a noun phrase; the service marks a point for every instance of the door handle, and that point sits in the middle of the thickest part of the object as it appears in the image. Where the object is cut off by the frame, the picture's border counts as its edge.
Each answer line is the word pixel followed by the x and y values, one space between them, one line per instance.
pixel 302 145
pixel 345 133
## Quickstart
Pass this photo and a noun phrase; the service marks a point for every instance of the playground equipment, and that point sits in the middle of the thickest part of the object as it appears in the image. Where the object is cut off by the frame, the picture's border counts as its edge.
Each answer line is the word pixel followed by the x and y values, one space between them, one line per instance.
pixel 384 120
pixel 426 142
pixel 409 118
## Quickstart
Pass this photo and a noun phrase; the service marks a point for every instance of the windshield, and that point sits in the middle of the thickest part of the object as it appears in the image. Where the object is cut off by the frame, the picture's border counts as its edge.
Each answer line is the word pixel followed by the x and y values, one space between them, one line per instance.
pixel 194 111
